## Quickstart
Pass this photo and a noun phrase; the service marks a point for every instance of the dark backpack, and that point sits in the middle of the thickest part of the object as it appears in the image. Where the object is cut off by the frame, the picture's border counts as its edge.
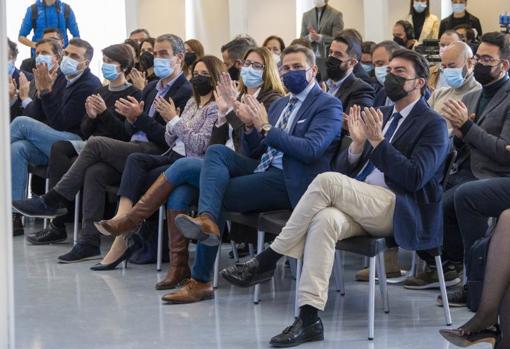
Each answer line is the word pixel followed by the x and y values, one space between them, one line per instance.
pixel 67 13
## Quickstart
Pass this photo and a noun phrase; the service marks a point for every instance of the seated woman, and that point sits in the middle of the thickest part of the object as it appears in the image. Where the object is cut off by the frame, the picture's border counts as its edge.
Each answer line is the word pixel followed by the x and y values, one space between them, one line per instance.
pixel 276 45
pixel 181 181
pixel 495 299
pixel 194 51
pixel 100 120
pixel 143 73
pixel 188 135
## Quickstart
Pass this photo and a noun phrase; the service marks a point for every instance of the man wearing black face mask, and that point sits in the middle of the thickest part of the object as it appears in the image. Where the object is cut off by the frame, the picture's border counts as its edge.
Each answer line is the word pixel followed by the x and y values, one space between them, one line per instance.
pixel 481 125
pixel 233 53
pixel 344 54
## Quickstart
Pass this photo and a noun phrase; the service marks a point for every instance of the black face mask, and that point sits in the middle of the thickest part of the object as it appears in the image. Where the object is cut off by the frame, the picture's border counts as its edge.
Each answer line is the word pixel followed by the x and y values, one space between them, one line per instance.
pixel 334 69
pixel 234 73
pixel 394 87
pixel 483 74
pixel 190 58
pixel 146 61
pixel 399 41
pixel 202 84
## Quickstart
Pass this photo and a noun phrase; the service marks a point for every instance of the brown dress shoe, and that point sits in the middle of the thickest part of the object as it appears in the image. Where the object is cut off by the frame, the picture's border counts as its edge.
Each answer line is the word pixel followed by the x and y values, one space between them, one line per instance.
pixel 179 270
pixel 192 291
pixel 155 196
pixel 391 265
pixel 202 228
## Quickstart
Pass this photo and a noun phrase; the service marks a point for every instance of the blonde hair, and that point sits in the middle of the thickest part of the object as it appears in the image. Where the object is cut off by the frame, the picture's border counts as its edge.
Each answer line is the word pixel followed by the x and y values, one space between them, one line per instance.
pixel 270 77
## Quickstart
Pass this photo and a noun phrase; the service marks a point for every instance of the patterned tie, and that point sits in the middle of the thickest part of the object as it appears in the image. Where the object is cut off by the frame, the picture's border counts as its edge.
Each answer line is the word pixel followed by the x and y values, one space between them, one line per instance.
pixel 268 157
pixel 362 176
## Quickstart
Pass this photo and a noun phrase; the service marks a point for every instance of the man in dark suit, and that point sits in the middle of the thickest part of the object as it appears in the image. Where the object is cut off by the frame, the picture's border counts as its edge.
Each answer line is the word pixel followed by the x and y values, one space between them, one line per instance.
pixel 389 184
pixel 344 55
pixel 295 141
pixel 106 157
pixel 481 125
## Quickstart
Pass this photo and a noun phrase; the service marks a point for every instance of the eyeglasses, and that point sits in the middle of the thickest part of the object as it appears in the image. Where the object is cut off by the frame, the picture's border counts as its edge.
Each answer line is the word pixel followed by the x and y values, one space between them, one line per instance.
pixel 257 66
pixel 486 60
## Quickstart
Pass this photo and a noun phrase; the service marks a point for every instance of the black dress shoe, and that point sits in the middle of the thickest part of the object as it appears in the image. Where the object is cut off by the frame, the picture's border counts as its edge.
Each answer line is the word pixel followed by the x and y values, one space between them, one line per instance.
pixel 297 334
pixel 50 235
pixel 80 253
pixel 17 225
pixel 38 208
pixel 246 274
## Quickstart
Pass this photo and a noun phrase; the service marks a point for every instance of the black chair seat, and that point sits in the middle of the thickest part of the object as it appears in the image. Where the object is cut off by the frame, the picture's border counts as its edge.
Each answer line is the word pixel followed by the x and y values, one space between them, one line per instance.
pixel 273 222
pixel 111 189
pixel 39 171
pixel 364 245
pixel 250 219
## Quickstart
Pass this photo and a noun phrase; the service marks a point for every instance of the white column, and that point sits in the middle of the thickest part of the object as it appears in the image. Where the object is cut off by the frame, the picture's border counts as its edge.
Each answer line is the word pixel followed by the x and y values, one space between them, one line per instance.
pixel 238 17
pixel 376 20
pixel 131 15
pixel 6 281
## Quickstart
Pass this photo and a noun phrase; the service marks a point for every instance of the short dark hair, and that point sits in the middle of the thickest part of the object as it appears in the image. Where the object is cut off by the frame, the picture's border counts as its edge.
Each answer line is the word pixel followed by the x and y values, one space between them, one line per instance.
pixel 500 40
pixel 389 45
pixel 175 41
pixel 408 28
pixel 89 50
pixel 470 32
pixel 420 63
pixel 353 45
pixel 53 30
pixel 302 42
pixel 151 41
pixel 277 38
pixel 310 56
pixel 13 48
pixel 237 48
pixel 134 44
pixel 367 47
pixel 140 30
pixel 56 46
pixel 120 53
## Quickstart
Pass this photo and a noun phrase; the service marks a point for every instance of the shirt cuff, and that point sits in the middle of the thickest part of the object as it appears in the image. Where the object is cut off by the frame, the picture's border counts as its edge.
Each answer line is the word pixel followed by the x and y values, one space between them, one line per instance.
pixel 352 157
pixel 466 127
pixel 26 102
pixel 170 125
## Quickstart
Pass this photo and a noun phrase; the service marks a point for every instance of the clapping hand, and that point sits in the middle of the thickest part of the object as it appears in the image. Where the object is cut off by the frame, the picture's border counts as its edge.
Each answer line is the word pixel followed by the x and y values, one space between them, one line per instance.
pixel 12 88
pixel 227 92
pixel 24 86
pixel 166 109
pixel 138 79
pixel 456 112
pixel 356 129
pixel 95 105
pixel 44 77
pixel 130 108
pixel 372 121
pixel 243 113
pixel 257 112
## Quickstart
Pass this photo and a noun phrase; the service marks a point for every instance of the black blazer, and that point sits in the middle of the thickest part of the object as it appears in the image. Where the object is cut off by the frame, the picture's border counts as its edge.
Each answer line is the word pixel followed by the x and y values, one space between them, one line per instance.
pixel 355 91
pixel 180 92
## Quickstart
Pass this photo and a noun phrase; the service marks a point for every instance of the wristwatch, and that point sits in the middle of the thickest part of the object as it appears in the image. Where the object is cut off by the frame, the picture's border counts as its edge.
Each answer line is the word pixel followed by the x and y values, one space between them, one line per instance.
pixel 265 129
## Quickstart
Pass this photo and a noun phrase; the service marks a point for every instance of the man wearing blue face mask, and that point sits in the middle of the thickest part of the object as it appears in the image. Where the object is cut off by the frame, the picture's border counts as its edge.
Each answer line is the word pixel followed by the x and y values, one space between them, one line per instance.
pixel 460 16
pixel 381 56
pixel 14 78
pixel 457 66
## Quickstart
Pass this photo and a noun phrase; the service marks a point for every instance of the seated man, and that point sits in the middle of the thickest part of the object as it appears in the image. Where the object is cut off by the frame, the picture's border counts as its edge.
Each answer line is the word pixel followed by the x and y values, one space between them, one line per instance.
pixel 437 79
pixel 28 64
pixel 457 66
pixel 481 125
pixel 389 184
pixel 297 142
pixel 381 57
pixel 102 160
pixel 56 112
pixel 14 77
pixel 344 54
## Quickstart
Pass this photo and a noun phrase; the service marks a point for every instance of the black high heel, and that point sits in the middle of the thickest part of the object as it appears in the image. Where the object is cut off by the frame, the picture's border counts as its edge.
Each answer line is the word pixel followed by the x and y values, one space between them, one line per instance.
pixel 461 338
pixel 134 243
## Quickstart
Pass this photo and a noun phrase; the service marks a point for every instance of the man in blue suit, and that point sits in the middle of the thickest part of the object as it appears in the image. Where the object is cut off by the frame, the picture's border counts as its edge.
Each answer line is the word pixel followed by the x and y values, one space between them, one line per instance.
pixel 389 184
pixel 295 141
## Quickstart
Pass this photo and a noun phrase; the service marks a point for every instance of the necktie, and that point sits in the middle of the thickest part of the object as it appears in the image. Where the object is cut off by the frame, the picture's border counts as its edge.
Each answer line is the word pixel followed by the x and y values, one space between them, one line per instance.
pixel 389 133
pixel 268 156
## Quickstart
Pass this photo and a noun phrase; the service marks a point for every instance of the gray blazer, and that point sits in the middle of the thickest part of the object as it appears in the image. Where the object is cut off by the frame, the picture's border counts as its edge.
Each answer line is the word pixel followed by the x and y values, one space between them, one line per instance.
pixel 489 135
pixel 331 23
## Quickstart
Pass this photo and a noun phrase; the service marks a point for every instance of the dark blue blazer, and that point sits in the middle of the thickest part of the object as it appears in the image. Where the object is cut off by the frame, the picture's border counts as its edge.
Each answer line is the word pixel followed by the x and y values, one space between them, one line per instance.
pixel 180 92
pixel 309 146
pixel 413 165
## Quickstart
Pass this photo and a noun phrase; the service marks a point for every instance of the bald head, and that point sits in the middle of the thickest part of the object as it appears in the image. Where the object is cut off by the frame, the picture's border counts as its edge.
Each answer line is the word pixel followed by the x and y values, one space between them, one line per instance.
pixel 457 55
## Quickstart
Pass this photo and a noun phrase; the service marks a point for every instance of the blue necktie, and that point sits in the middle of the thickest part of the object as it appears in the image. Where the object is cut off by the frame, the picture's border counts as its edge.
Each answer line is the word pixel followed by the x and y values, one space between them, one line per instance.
pixel 389 133
pixel 268 156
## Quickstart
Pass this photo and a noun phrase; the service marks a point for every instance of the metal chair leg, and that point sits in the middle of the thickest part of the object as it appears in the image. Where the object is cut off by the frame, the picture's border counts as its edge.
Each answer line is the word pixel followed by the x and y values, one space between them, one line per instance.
pixel 338 269
pixel 46 189
pixel 76 217
pixel 371 298
pixel 234 251
pixel 216 273
pixel 383 286
pixel 299 266
pixel 444 294
pixel 251 250
pixel 260 248
pixel 161 217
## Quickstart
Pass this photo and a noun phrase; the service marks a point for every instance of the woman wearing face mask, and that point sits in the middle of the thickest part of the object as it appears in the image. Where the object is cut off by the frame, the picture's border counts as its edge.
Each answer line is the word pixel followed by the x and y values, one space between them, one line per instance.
pixel 144 74
pixel 100 120
pixel 460 16
pixel 275 45
pixel 188 135
pixel 194 51
pixel 260 78
pixel 426 25
pixel 403 34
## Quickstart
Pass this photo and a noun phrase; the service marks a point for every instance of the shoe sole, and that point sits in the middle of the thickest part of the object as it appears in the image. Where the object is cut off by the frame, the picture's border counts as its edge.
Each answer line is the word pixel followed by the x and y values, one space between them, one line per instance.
pixel 439 303
pixel 191 231
pixel 58 241
pixel 60 261
pixel 236 282
pixel 101 229
pixel 312 339
pixel 189 302
pixel 26 214
pixel 464 343
pixel 436 285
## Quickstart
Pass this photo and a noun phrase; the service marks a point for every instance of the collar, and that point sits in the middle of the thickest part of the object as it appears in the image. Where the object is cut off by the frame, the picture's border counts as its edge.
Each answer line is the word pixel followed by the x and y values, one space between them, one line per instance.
pixel 73 80
pixel 407 110
pixel 494 87
pixel 333 85
pixel 160 88
pixel 302 95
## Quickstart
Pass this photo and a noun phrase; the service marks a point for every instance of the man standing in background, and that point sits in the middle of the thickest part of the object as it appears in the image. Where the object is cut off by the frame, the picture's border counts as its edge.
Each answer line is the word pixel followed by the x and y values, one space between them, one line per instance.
pixel 319 26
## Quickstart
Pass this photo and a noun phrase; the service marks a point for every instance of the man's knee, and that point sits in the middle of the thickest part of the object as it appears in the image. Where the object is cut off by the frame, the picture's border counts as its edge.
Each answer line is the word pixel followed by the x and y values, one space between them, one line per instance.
pixel 217 151
pixel 328 220
pixel 326 180
pixel 19 149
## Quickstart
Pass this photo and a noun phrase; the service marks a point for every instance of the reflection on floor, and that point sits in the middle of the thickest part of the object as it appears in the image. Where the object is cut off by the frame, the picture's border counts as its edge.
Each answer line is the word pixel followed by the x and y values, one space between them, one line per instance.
pixel 70 307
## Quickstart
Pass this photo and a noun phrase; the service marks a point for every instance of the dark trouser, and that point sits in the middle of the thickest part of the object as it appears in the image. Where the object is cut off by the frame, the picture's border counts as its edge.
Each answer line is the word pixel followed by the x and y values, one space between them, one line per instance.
pixel 141 171
pixel 99 164
pixel 453 251
pixel 227 182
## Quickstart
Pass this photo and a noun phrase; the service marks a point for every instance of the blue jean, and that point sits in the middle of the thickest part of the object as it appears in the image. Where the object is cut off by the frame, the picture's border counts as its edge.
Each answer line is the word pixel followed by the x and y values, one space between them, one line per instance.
pixel 184 175
pixel 31 142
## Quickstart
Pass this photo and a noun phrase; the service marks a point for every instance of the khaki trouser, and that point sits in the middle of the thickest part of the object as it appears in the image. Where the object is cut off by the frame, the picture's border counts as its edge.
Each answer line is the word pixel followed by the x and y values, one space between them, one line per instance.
pixel 335 207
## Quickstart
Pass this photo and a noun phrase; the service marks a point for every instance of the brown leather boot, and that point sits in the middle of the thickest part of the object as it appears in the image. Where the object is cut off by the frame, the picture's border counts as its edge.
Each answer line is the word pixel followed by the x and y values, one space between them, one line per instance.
pixel 154 197
pixel 391 265
pixel 200 228
pixel 192 291
pixel 178 270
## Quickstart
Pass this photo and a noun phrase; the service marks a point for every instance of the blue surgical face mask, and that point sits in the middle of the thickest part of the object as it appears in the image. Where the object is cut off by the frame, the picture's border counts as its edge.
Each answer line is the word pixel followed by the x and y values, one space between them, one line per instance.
pixel 10 67
pixel 109 71
pixel 380 73
pixel 69 66
pixel 458 8
pixel 454 77
pixel 295 81
pixel 419 7
pixel 48 59
pixel 368 68
pixel 163 68
pixel 252 78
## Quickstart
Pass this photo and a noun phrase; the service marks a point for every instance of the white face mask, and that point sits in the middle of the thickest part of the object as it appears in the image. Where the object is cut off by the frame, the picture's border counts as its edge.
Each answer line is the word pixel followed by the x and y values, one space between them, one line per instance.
pixel 319 3
pixel 277 58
